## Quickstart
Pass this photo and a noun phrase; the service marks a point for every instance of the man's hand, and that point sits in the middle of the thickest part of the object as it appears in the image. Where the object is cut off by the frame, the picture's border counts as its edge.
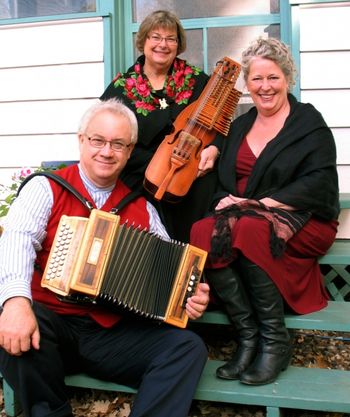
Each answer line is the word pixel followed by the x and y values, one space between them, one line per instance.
pixel 19 329
pixel 197 304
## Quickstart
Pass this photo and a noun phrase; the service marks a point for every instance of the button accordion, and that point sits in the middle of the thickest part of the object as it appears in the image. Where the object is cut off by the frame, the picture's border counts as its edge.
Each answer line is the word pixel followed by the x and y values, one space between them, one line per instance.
pixel 96 259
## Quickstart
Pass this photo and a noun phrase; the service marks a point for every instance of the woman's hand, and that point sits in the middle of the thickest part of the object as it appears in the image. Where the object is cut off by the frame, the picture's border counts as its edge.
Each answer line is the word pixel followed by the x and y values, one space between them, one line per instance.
pixel 19 330
pixel 228 201
pixel 208 157
pixel 270 202
pixel 197 304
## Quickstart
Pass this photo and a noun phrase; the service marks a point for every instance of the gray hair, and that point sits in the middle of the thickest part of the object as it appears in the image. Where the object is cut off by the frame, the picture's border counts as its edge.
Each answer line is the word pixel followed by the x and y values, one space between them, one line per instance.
pixel 272 49
pixel 165 20
pixel 115 107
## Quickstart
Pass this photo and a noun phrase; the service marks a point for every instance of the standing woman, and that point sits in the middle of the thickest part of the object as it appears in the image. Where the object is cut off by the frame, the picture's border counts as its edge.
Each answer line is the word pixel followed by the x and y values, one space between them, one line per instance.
pixel 275 214
pixel 157 88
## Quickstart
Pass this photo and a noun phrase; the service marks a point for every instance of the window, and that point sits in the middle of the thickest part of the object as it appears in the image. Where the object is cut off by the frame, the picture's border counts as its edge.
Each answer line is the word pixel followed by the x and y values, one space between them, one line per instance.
pixel 13 9
pixel 192 9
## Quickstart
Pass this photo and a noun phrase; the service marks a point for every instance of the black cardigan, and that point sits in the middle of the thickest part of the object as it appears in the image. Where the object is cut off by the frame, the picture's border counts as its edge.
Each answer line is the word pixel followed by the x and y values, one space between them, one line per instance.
pixel 297 168
pixel 153 127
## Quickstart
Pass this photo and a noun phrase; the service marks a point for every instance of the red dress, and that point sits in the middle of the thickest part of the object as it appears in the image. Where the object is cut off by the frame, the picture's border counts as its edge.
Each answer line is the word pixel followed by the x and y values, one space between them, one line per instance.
pixel 297 273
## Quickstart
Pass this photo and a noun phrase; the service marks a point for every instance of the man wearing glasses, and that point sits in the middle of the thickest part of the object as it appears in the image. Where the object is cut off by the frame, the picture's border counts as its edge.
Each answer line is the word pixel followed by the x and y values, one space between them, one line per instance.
pixel 43 338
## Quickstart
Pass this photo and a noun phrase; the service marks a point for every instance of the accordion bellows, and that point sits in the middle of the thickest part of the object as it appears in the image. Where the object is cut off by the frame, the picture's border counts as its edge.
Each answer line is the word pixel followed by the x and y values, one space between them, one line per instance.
pixel 123 267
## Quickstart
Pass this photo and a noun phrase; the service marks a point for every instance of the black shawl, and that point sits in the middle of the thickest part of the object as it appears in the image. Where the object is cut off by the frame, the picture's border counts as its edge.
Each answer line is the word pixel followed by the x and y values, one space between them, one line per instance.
pixel 297 168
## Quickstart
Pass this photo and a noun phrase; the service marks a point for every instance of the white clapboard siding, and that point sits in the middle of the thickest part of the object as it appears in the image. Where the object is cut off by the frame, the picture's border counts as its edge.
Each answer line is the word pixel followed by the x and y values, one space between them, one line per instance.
pixel 344 218
pixel 50 73
pixel 54 81
pixel 325 27
pixel 344 227
pixel 342 141
pixel 324 80
pixel 41 117
pixel 344 175
pixel 333 104
pixel 24 151
pixel 325 69
pixel 70 41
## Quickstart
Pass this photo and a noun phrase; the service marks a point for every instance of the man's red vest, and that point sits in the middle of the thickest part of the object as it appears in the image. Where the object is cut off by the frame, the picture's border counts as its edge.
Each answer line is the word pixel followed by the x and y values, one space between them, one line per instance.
pixel 64 202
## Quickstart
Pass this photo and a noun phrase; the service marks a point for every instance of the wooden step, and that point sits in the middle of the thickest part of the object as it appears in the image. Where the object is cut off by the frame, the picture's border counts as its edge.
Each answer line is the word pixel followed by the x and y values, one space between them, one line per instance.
pixel 335 317
pixel 295 388
pixel 337 254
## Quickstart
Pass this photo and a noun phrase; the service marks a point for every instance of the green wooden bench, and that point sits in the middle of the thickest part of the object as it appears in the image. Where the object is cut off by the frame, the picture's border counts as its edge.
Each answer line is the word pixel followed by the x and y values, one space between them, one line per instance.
pixel 297 387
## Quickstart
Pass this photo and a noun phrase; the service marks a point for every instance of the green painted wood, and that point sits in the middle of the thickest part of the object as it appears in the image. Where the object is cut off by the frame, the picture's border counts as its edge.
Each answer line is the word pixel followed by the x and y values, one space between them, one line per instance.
pixel 86 381
pixel 295 388
pixel 273 412
pixel 12 406
pixel 338 253
pixel 335 317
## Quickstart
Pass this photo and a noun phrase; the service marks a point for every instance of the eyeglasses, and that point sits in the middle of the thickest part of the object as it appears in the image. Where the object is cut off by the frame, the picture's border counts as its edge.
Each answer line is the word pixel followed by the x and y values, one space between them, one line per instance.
pixel 169 40
pixel 116 145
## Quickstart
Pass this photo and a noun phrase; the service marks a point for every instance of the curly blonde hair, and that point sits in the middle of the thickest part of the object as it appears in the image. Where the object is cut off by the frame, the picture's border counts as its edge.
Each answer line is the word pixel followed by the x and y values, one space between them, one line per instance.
pixel 272 49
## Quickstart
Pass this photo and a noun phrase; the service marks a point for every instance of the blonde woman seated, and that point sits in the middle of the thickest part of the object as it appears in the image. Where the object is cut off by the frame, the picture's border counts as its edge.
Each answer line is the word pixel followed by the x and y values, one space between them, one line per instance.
pixel 275 214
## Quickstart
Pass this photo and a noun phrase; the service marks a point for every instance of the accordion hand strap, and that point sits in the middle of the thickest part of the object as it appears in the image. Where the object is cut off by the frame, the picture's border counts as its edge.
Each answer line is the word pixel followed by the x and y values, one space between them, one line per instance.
pixel 126 200
pixel 122 203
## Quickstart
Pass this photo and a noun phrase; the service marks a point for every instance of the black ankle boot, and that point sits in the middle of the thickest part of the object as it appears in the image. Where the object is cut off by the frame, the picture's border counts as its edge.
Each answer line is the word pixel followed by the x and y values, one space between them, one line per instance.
pixel 268 364
pixel 228 287
pixel 239 362
pixel 275 349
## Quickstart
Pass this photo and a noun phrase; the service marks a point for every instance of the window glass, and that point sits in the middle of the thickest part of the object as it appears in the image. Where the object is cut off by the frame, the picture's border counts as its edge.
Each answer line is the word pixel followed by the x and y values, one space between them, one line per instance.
pixel 185 9
pixel 194 51
pixel 12 9
pixel 231 41
pixel 227 41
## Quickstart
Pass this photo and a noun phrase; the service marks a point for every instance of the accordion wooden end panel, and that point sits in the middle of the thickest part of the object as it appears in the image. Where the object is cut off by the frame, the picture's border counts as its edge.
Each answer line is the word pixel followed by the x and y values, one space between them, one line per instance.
pixel 79 254
pixel 98 260
pixel 188 277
